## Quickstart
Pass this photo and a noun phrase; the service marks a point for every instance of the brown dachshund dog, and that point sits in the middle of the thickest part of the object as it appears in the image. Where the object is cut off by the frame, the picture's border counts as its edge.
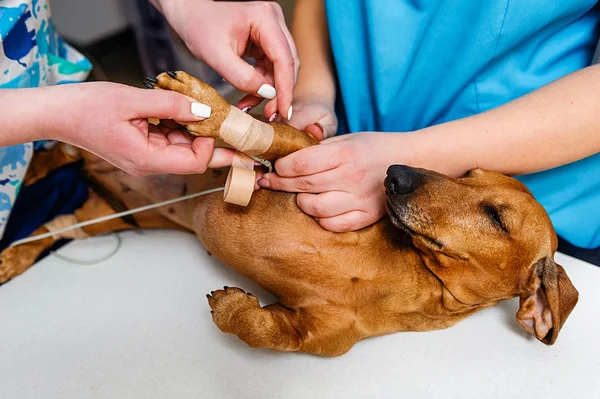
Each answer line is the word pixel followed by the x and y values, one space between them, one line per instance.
pixel 449 248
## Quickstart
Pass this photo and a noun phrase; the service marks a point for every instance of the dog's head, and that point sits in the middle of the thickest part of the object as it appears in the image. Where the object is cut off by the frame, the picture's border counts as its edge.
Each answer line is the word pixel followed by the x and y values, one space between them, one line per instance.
pixel 486 238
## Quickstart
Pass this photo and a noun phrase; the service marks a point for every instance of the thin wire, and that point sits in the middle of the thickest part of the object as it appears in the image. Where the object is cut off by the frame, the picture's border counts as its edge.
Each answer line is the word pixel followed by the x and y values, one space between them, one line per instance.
pixel 114 216
pixel 92 262
pixel 265 162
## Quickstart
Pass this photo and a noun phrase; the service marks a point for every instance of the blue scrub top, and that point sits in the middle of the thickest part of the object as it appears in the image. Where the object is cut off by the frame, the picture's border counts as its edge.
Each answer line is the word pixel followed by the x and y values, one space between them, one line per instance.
pixel 404 65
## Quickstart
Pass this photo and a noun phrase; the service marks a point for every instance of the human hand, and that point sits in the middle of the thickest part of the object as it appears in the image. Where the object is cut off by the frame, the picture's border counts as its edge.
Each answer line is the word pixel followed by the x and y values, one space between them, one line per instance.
pixel 111 121
pixel 220 33
pixel 314 116
pixel 340 182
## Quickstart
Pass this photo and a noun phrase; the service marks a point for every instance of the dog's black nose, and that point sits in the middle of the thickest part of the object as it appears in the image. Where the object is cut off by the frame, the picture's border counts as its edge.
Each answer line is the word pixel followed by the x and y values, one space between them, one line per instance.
pixel 401 179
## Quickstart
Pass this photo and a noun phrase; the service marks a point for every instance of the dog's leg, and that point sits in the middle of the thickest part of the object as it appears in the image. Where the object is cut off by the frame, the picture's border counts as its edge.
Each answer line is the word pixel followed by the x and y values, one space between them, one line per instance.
pixel 319 329
pixel 15 260
pixel 238 313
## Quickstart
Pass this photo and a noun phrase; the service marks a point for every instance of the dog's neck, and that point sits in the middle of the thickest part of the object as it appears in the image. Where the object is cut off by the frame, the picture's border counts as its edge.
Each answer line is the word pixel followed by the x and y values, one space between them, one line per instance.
pixel 449 301
pixel 419 268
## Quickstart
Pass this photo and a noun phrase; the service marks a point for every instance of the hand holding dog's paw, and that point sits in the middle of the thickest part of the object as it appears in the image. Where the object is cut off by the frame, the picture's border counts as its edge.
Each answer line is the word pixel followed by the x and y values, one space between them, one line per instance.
pixel 221 33
pixel 339 181
pixel 111 121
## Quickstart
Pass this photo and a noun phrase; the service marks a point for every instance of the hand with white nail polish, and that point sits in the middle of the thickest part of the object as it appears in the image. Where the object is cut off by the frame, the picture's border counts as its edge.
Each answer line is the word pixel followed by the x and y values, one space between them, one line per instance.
pixel 111 121
pixel 313 105
pixel 340 182
pixel 221 33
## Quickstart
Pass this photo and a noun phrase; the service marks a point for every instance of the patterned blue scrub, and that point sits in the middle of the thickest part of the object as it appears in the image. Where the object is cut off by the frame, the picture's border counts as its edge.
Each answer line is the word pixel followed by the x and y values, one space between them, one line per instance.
pixel 32 54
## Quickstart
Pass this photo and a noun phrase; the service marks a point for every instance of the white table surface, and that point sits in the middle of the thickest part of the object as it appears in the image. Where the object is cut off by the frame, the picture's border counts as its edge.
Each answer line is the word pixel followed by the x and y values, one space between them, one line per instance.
pixel 138 326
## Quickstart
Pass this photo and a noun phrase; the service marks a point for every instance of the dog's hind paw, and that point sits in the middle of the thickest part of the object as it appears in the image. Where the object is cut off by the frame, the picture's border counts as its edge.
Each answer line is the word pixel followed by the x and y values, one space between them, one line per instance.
pixel 227 304
pixel 15 260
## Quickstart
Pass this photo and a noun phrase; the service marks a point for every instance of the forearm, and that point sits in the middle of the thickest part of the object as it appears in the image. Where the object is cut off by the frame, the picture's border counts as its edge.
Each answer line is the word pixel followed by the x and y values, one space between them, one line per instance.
pixel 25 115
pixel 309 30
pixel 552 126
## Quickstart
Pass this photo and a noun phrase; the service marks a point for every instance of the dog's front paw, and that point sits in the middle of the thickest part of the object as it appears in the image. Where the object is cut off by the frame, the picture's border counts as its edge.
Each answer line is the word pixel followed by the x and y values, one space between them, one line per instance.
pixel 227 305
pixel 188 85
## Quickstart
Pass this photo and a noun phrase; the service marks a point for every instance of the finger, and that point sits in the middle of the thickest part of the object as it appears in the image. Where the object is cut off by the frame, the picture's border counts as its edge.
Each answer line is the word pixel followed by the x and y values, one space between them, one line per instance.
pixel 254 100
pixel 270 108
pixel 309 161
pixel 242 75
pixel 290 39
pixel 270 37
pixel 248 102
pixel 259 174
pixel 164 104
pixel 221 157
pixel 316 183
pixel 178 159
pixel 335 139
pixel 328 204
pixel 316 130
pixel 350 221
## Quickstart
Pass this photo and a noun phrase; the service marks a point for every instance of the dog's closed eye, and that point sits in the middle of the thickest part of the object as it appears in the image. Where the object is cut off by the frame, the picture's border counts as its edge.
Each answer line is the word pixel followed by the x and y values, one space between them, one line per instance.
pixel 494 214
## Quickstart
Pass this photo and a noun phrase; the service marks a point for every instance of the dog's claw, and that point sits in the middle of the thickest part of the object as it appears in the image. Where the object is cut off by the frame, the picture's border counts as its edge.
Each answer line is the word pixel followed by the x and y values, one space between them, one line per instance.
pixel 172 74
pixel 249 294
pixel 212 312
pixel 148 85
pixel 225 287
pixel 208 295
pixel 151 79
pixel 212 293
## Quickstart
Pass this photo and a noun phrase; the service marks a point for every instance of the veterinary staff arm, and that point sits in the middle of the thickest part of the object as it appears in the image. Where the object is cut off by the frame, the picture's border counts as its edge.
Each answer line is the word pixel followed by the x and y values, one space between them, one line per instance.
pixel 552 126
pixel 309 29
pixel 220 33
pixel 23 117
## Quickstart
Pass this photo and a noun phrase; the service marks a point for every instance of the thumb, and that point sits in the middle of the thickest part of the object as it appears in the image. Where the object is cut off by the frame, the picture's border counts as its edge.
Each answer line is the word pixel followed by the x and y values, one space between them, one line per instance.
pixel 164 104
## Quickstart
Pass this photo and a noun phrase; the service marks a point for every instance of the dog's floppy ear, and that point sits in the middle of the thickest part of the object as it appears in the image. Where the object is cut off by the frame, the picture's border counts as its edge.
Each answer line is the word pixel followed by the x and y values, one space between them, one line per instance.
pixel 546 301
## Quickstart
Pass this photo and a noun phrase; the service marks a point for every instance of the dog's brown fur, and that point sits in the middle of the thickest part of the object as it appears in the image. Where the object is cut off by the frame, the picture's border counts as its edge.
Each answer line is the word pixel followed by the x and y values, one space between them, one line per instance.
pixel 449 248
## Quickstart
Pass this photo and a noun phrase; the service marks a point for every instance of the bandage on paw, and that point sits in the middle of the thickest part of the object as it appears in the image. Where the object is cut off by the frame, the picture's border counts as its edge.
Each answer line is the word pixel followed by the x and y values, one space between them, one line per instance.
pixel 246 134
pixel 237 129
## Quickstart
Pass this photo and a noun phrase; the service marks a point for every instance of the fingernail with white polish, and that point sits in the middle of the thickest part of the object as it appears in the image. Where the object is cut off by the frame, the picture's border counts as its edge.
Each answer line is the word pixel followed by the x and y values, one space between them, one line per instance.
pixel 273 117
pixel 201 110
pixel 247 109
pixel 289 113
pixel 267 91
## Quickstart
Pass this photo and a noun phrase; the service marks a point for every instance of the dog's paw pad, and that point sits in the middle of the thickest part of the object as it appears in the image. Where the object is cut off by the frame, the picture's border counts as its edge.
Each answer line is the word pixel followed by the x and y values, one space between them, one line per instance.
pixel 230 297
